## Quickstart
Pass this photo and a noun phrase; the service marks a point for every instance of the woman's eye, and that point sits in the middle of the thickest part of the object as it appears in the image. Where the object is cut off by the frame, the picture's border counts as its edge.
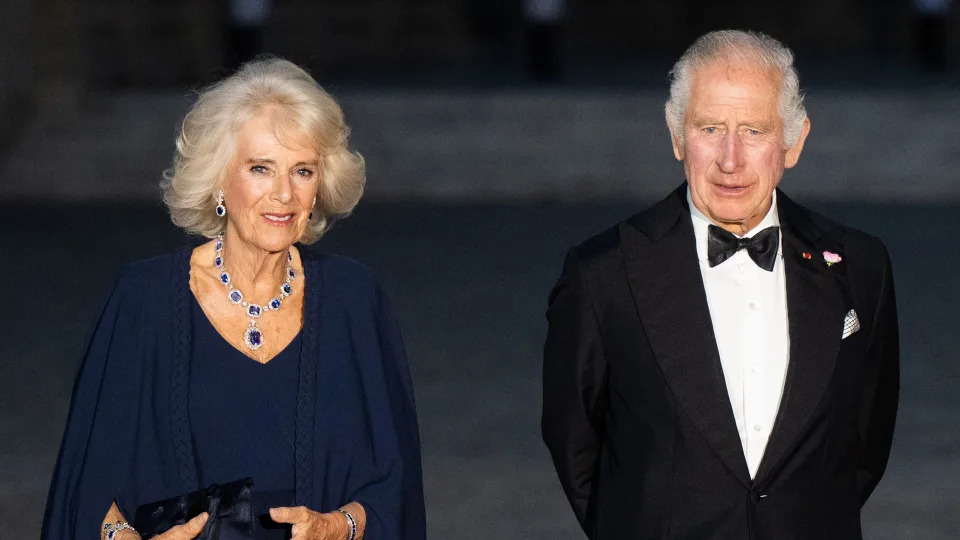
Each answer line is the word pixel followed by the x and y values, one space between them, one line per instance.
pixel 304 173
pixel 258 169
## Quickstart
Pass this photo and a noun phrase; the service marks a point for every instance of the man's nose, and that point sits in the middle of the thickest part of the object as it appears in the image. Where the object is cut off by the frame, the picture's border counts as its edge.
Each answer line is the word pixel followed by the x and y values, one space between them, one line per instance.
pixel 731 153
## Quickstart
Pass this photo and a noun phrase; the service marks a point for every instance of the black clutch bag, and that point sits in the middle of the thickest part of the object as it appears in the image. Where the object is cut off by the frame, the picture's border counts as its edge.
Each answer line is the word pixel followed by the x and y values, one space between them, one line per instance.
pixel 229 505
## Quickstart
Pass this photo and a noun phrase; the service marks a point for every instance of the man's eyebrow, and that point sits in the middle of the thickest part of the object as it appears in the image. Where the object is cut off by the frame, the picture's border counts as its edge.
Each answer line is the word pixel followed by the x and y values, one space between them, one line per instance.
pixel 706 119
pixel 760 123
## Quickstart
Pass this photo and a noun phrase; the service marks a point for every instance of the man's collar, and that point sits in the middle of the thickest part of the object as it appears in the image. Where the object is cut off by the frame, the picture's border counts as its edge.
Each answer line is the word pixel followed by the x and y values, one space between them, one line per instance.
pixel 701 223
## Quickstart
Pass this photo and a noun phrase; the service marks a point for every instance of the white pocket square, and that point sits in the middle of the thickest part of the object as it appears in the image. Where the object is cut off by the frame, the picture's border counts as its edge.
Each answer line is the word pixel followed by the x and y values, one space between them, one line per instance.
pixel 850 324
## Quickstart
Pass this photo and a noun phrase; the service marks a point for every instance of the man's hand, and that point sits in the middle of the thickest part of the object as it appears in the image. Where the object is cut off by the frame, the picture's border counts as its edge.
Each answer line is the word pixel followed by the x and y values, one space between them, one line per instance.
pixel 311 525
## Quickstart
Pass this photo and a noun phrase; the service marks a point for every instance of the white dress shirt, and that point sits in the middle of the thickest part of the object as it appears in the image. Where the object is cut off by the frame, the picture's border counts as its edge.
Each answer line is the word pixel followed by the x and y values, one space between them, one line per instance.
pixel 748 307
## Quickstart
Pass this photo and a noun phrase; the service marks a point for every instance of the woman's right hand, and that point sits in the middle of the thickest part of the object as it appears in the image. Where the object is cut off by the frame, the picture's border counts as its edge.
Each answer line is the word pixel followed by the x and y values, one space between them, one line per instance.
pixel 187 531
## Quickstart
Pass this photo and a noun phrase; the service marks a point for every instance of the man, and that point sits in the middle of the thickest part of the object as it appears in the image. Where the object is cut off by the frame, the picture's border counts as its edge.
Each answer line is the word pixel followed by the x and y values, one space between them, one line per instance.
pixel 724 364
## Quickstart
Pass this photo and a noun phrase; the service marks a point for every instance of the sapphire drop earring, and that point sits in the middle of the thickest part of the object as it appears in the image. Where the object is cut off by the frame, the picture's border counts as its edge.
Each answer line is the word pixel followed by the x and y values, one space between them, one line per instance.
pixel 221 209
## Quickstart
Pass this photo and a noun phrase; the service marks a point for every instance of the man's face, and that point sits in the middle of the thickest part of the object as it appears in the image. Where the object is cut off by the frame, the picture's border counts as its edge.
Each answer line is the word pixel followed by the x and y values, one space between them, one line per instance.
pixel 733 151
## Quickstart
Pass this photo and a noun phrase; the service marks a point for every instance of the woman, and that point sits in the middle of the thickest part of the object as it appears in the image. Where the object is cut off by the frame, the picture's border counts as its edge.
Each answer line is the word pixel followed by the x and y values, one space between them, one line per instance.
pixel 247 356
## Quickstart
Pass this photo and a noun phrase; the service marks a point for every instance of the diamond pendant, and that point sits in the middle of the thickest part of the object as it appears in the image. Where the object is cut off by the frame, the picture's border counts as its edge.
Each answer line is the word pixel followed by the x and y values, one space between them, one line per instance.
pixel 253 337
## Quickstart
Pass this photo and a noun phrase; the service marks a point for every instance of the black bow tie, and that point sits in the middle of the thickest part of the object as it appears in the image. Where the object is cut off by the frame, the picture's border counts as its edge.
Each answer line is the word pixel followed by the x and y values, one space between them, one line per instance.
pixel 762 247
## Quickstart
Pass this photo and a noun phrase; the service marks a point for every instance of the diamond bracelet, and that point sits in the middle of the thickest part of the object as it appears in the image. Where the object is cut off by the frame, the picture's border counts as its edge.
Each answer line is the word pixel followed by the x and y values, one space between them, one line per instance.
pixel 113 528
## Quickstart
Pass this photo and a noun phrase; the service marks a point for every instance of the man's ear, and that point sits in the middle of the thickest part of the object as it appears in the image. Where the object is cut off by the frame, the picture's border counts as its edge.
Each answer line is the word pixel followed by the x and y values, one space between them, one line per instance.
pixel 677 147
pixel 793 153
pixel 675 141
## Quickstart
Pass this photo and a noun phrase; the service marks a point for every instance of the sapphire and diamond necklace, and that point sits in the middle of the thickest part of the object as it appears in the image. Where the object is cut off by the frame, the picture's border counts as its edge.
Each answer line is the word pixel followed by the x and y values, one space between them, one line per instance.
pixel 253 336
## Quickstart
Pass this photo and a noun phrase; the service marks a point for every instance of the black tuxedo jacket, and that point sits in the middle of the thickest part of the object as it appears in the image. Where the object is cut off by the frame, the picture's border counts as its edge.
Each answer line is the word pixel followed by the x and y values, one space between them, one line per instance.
pixel 635 408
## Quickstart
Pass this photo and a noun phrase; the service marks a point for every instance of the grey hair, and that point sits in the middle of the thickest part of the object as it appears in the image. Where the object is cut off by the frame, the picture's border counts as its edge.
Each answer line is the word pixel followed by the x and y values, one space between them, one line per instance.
pixel 299 107
pixel 742 47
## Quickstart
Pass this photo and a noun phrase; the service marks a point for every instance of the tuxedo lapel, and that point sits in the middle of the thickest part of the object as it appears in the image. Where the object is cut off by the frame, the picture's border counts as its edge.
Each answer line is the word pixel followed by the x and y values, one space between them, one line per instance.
pixel 815 310
pixel 661 264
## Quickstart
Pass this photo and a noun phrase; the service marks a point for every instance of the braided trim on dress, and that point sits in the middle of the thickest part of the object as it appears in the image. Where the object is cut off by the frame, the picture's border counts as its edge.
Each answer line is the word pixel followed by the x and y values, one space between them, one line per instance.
pixel 307 385
pixel 180 371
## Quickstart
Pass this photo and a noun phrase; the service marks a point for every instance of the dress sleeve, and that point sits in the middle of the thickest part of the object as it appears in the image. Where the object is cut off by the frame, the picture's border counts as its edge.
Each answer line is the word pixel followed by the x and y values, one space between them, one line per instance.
pixel 394 500
pixel 91 463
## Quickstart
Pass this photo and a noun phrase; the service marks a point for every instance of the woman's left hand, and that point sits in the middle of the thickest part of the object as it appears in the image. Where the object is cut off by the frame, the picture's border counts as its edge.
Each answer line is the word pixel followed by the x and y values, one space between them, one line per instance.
pixel 311 525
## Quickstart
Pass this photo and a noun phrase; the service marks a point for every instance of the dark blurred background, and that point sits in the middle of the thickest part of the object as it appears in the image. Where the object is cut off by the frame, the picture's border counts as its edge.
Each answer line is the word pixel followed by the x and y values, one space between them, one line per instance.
pixel 497 133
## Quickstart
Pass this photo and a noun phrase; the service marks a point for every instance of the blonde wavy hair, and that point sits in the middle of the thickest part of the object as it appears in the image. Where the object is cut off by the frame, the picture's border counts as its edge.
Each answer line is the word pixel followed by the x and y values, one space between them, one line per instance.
pixel 299 107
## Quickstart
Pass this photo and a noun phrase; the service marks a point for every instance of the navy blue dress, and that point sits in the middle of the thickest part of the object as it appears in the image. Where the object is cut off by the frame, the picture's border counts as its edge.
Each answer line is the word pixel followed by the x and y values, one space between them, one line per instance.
pixel 140 431
pixel 243 418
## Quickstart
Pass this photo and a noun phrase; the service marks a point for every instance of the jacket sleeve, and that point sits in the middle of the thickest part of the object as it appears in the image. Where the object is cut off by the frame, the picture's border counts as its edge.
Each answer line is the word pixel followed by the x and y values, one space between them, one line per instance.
pixel 880 397
pixel 574 381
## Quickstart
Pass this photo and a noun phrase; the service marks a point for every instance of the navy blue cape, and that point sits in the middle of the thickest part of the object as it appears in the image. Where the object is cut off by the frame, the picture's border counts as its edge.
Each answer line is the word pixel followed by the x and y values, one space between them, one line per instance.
pixel 128 433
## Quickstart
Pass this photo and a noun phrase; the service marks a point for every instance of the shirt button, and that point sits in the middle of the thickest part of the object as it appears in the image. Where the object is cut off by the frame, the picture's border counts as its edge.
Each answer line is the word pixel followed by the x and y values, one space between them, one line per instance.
pixel 757 427
pixel 754 369
pixel 753 305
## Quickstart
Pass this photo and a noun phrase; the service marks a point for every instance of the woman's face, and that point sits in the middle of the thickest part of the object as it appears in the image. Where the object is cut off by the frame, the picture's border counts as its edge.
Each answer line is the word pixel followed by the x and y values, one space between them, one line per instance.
pixel 270 187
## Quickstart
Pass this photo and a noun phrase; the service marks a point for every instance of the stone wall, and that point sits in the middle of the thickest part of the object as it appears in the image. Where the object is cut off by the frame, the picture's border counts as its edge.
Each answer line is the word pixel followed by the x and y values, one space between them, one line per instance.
pixel 55 53
pixel 156 43
pixel 505 145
